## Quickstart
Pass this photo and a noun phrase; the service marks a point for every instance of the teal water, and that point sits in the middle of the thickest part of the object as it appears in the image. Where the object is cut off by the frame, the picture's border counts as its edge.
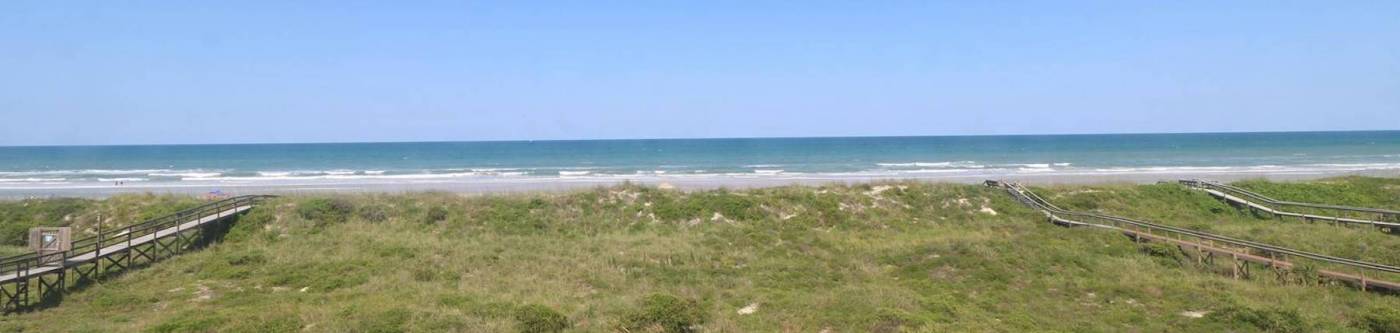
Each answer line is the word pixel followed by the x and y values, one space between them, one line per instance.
pixel 768 157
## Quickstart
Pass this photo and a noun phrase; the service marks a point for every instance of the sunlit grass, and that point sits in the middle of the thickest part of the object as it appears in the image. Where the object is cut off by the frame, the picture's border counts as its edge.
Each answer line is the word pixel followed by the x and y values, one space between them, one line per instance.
pixel 867 258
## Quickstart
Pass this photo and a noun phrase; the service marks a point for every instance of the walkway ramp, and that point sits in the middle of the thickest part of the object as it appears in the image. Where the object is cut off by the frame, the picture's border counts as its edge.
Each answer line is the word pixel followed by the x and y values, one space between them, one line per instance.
pixel 1386 220
pixel 111 250
pixel 1207 246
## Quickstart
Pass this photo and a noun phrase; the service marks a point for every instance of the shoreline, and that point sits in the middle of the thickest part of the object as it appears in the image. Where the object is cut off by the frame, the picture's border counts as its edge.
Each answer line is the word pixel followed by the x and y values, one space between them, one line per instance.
pixel 500 185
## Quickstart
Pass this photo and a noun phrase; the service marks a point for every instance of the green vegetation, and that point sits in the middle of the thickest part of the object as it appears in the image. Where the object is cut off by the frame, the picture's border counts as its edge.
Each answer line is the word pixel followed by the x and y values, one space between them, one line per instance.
pixel 1177 205
pixel 1380 320
pixel 1269 320
pixel 1351 191
pixel 664 313
pixel 536 318
pixel 16 217
pixel 865 258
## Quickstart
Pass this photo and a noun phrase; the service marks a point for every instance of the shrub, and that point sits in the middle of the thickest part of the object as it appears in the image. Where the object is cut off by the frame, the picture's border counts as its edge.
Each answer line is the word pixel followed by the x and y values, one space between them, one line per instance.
pixel 247 257
pixel 889 321
pixel 190 322
pixel 704 204
pixel 1268 320
pixel 1380 320
pixel 250 224
pixel 374 213
pixel 383 322
pixel 1166 254
pixel 477 307
pixel 268 323
pixel 319 276
pixel 666 312
pixel 536 318
pixel 233 264
pixel 14 234
pixel 513 216
pixel 1306 274
pixel 435 214
pixel 105 299
pixel 325 210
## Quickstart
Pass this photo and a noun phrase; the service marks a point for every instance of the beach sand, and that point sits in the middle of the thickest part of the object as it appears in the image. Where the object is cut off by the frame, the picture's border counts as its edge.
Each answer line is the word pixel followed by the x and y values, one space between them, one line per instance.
pixel 556 184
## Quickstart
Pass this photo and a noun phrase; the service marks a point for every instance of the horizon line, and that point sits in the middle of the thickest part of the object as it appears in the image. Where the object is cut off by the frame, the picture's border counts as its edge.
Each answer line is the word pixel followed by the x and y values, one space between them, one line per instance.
pixel 687 138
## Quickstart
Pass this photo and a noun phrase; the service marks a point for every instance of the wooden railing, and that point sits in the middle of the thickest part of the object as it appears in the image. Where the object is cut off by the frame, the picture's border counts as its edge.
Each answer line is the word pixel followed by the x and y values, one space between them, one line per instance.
pixel 1365 274
pixel 1388 220
pixel 118 247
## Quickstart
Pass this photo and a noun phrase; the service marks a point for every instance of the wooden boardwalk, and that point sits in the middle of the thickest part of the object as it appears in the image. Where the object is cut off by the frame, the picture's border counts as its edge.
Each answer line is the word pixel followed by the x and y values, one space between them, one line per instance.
pixel 1270 206
pixel 1206 247
pixel 112 251
pixel 83 258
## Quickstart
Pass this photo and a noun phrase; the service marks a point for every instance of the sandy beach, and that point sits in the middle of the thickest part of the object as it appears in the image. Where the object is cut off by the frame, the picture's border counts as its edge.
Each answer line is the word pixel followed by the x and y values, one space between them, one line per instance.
pixel 489 185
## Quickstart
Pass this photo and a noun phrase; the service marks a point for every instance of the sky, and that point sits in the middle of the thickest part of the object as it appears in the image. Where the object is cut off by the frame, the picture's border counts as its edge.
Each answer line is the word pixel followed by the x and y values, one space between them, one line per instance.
pixel 180 72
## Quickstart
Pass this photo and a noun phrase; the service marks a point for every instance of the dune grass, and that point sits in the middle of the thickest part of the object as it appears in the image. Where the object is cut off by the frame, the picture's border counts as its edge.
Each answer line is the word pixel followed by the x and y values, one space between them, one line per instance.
pixel 868 258
pixel 17 217
pixel 1178 205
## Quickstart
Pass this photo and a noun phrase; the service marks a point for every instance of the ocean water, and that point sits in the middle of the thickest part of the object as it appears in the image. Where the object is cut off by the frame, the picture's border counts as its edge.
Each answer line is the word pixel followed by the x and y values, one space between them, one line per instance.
pixel 874 157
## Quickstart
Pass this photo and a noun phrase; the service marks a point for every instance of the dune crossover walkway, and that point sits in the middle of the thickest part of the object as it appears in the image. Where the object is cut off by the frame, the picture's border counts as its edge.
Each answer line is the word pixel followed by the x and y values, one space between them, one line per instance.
pixel 1287 264
pixel 112 251
pixel 1383 219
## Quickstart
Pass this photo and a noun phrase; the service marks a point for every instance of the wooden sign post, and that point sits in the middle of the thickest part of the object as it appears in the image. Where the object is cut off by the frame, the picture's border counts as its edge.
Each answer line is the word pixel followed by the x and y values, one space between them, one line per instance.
pixel 49 240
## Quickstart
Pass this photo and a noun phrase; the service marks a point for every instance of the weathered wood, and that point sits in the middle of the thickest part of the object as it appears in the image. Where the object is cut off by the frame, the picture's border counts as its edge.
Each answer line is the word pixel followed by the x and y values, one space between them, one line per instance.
pixel 1242 256
pixel 152 241
pixel 1218 190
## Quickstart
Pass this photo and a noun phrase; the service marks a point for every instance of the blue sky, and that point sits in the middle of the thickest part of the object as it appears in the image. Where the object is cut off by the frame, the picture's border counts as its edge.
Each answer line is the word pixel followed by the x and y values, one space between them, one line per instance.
pixel 104 72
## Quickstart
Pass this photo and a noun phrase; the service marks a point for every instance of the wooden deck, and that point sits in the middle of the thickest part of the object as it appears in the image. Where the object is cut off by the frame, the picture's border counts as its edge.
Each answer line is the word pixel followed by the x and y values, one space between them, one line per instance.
pixel 33 279
pixel 90 256
pixel 1207 246
pixel 1271 206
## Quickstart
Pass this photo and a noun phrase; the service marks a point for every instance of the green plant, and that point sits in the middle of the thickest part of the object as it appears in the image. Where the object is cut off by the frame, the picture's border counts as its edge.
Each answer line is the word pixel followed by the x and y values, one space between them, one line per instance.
pixel 435 214
pixel 906 256
pixel 374 213
pixel 269 323
pixel 536 318
pixel 891 321
pixel 325 210
pixel 1270 320
pixel 319 275
pixel 665 312
pixel 1379 320
pixel 190 321
pixel 388 321
pixel 1164 253
pixel 250 224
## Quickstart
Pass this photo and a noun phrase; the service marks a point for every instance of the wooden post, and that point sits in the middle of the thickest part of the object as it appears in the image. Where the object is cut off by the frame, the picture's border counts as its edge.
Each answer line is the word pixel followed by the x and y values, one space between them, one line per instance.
pixel 1235 266
pixel 1363 279
pixel 99 236
pixel 1244 269
pixel 128 248
pixel 1199 253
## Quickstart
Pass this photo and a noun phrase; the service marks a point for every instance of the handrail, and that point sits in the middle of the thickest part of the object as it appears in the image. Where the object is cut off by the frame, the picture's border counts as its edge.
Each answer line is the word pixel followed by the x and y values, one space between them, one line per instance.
pixel 1030 198
pixel 1233 193
pixel 25 262
pixel 1231 188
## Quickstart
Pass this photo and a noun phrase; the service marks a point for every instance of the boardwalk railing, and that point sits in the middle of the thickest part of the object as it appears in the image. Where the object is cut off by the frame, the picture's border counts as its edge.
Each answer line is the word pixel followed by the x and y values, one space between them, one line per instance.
pixel 1388 220
pixel 111 250
pixel 1366 275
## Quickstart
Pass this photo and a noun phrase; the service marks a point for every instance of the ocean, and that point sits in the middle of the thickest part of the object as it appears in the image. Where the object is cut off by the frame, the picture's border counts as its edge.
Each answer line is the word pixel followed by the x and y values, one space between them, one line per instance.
pixel 868 157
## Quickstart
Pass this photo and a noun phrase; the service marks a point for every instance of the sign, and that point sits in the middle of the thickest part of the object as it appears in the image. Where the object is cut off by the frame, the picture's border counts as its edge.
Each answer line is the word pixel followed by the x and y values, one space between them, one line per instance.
pixel 50 240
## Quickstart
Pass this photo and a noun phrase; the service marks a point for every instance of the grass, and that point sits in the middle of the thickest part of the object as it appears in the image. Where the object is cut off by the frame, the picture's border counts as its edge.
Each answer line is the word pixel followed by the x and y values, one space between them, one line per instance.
pixel 17 217
pixel 866 258
pixel 1177 205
